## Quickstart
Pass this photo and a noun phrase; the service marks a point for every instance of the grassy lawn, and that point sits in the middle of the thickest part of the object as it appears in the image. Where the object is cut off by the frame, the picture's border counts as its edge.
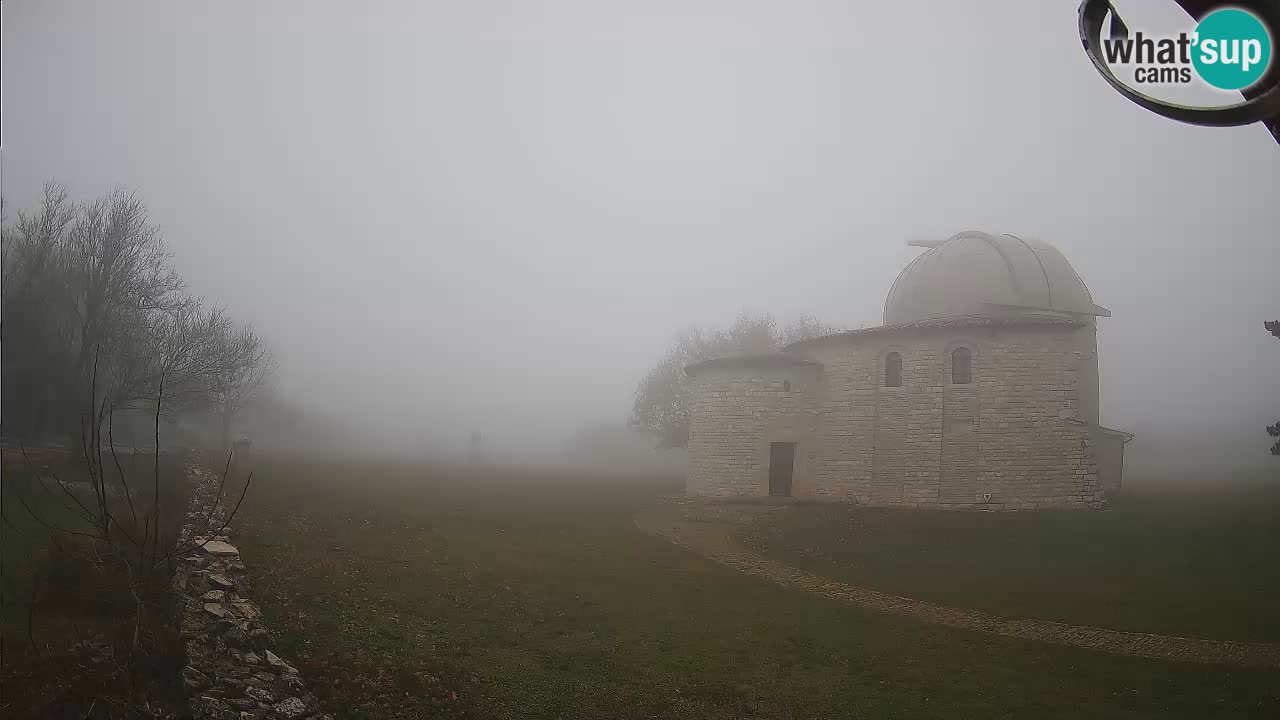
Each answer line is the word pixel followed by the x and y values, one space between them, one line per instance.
pixel 1178 563
pixel 406 592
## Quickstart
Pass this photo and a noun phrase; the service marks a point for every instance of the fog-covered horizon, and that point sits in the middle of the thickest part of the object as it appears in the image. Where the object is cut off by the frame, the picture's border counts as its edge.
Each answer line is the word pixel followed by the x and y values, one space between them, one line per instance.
pixel 494 216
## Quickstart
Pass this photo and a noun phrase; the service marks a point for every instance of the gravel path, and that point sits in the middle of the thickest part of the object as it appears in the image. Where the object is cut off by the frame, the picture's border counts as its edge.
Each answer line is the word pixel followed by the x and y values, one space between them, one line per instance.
pixel 715 541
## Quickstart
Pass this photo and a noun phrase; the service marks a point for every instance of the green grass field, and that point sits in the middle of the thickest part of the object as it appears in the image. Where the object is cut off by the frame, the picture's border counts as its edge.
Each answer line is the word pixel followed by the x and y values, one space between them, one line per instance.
pixel 1189 564
pixel 405 592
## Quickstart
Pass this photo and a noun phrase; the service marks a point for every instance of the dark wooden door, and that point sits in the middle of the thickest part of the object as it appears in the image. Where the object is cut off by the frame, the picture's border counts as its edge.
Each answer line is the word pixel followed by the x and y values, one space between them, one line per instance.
pixel 782 461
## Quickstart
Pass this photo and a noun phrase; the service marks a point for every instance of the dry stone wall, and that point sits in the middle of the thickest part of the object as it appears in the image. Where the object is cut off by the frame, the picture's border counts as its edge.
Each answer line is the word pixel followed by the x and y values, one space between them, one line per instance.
pixel 231 672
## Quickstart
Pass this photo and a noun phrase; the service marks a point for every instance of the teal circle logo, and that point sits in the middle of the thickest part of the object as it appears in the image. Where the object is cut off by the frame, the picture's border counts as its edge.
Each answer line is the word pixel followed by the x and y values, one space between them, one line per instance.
pixel 1232 49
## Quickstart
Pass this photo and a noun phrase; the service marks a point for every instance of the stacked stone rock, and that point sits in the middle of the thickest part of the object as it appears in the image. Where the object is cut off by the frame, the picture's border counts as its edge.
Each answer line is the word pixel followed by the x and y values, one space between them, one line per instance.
pixel 231 672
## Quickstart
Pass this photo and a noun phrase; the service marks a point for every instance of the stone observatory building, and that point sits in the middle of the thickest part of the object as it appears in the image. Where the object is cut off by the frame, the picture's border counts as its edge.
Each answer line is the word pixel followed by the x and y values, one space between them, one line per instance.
pixel 980 391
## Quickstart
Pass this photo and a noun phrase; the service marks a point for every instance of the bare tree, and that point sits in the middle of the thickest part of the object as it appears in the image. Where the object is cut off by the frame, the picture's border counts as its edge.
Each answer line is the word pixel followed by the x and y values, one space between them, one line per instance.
pixel 86 287
pixel 90 290
pixel 804 328
pixel 245 363
pixel 36 325
pixel 120 277
pixel 183 347
pixel 125 536
pixel 663 397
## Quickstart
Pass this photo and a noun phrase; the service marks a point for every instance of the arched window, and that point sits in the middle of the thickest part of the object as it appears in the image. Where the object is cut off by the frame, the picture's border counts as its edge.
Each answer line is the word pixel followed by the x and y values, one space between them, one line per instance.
pixel 893 370
pixel 961 366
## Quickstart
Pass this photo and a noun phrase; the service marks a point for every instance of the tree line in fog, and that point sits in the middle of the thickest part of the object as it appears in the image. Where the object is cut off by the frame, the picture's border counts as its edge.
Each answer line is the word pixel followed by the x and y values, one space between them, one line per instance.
pixel 96 320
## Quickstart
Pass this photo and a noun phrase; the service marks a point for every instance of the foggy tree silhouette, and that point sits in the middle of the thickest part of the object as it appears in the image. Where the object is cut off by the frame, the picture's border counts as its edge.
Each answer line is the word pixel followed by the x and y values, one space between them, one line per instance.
pixel 664 396
pixel 90 290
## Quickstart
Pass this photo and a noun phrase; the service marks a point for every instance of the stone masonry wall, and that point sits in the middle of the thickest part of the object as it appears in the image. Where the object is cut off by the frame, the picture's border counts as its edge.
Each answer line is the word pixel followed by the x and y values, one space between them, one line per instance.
pixel 1015 438
pixel 231 672
pixel 1033 444
pixel 735 416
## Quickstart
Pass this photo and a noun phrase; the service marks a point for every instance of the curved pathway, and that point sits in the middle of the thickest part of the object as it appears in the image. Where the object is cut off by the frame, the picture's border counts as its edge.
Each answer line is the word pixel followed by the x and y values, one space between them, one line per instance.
pixel 714 541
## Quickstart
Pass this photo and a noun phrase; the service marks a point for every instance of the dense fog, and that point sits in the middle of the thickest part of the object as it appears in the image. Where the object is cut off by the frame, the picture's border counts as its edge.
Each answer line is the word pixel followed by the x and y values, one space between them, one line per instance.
pixel 493 217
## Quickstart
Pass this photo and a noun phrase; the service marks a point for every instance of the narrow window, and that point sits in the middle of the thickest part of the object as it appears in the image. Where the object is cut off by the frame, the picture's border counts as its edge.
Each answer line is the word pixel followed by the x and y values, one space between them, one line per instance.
pixel 893 370
pixel 786 386
pixel 961 366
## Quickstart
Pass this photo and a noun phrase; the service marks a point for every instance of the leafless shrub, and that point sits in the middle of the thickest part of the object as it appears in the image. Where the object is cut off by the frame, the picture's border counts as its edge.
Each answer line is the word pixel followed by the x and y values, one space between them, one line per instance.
pixel 122 537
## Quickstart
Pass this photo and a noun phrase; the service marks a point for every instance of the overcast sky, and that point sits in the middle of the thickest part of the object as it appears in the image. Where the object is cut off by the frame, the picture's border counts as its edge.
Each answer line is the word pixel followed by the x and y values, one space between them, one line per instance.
pixel 466 215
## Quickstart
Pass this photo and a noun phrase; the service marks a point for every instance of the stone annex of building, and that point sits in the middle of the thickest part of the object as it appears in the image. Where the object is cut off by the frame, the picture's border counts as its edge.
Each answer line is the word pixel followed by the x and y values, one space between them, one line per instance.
pixel 980 391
